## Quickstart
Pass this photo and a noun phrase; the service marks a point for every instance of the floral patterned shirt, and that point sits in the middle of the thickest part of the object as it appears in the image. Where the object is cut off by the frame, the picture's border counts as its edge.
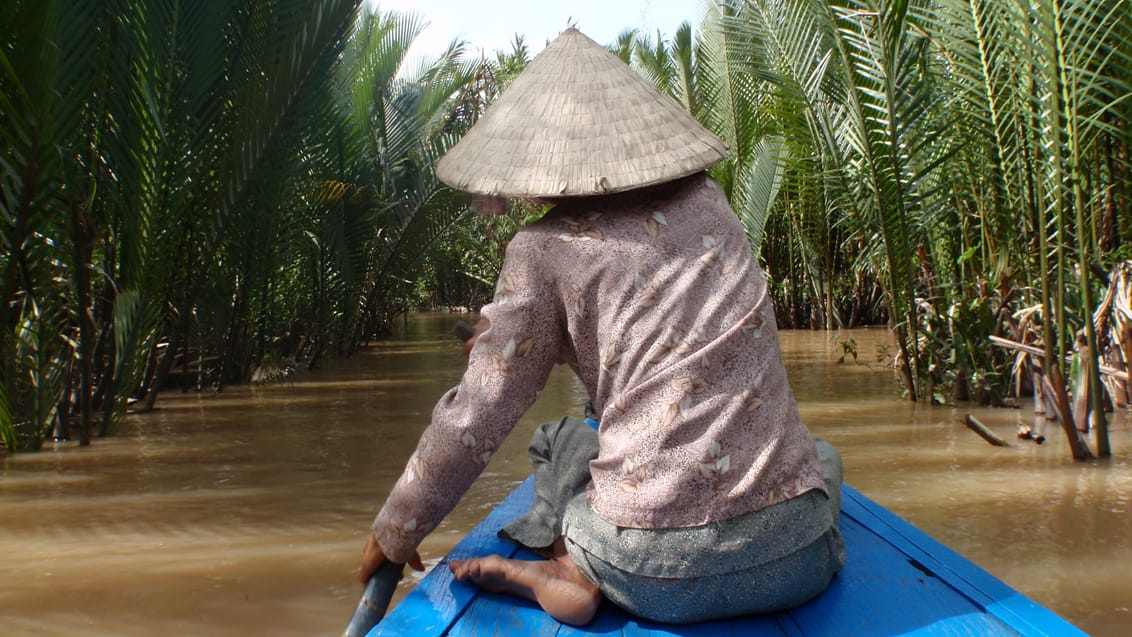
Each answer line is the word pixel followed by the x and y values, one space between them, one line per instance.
pixel 655 301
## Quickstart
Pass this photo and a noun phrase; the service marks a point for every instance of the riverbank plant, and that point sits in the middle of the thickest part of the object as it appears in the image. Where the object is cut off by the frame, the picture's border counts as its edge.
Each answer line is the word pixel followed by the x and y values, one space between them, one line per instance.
pixel 968 157
pixel 188 187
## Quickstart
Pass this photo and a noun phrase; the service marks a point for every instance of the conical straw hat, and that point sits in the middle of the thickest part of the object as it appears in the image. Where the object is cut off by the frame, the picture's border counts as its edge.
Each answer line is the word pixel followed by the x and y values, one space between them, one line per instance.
pixel 578 122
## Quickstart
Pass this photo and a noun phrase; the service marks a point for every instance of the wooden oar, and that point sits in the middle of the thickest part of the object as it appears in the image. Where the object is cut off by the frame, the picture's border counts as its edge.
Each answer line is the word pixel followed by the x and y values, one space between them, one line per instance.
pixel 375 600
pixel 381 585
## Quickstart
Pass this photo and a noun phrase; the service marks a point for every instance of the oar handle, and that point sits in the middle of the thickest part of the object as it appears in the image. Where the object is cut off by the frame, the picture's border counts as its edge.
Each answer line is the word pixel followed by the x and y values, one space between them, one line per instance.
pixel 375 600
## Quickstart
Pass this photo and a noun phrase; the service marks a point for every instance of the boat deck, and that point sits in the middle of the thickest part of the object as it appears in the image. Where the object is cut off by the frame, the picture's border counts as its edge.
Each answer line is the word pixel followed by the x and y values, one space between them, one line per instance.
pixel 897 581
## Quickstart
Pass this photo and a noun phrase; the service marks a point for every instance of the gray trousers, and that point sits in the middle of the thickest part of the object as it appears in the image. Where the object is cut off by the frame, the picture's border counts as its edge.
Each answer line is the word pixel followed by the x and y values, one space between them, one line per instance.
pixel 768 560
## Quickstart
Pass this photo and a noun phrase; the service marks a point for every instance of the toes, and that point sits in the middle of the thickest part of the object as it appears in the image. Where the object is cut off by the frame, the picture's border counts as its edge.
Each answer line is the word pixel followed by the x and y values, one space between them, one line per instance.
pixel 465 569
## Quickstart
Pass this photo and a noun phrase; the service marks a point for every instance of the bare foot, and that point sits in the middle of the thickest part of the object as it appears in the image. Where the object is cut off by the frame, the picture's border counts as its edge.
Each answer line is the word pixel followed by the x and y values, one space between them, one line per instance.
pixel 556 585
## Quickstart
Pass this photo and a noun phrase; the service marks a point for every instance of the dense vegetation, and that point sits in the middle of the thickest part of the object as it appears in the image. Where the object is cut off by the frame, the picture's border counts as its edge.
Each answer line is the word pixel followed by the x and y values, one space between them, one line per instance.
pixel 216 191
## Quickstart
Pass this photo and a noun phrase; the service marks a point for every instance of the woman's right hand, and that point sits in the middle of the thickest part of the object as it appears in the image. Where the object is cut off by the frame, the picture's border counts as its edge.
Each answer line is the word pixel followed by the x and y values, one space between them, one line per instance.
pixel 373 557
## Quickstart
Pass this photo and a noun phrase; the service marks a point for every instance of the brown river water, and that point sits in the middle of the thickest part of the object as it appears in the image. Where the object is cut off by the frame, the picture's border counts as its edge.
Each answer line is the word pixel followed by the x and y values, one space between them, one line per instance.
pixel 245 511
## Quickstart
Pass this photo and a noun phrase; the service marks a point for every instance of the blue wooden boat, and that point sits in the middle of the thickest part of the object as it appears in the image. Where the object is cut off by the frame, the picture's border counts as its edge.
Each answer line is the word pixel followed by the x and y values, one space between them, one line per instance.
pixel 897 581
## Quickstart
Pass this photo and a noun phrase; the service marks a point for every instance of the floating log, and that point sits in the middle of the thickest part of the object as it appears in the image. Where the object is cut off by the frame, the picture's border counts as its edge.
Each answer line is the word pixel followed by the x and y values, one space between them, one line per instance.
pixel 974 425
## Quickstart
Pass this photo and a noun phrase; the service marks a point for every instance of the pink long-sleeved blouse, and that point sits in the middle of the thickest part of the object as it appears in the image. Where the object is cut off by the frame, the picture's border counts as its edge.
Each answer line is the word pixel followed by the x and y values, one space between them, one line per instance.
pixel 655 301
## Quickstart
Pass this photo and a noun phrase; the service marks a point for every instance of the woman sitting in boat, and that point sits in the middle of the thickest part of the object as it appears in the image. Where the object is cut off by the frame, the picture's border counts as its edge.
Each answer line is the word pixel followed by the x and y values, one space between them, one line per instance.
pixel 701 494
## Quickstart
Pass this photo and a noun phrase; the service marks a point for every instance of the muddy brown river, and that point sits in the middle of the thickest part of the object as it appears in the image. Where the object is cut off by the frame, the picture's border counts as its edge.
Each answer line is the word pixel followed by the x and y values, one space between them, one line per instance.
pixel 244 512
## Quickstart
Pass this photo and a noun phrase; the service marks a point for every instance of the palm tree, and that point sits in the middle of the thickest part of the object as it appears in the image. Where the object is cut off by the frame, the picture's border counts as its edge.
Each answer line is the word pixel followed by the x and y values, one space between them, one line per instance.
pixel 779 48
pixel 391 208
pixel 47 230
pixel 133 136
pixel 1046 87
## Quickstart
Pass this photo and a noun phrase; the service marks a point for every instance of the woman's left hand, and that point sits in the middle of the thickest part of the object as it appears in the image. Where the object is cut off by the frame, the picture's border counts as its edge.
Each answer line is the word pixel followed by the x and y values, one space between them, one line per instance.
pixel 480 328
pixel 373 557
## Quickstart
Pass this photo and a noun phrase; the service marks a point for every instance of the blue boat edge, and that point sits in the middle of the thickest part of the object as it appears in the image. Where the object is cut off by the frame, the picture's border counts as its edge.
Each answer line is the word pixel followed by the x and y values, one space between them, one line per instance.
pixel 898 581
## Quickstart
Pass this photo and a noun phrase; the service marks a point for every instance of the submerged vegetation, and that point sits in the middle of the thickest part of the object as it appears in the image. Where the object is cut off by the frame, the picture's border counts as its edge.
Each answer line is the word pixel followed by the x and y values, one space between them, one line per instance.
pixel 193 192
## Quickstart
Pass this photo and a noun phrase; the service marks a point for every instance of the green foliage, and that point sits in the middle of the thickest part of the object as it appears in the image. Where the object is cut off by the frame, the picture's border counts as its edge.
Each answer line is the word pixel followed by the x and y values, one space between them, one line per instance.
pixel 163 172
pixel 971 157
pixel 243 182
pixel 848 350
pixel 396 126
pixel 7 425
pixel 887 112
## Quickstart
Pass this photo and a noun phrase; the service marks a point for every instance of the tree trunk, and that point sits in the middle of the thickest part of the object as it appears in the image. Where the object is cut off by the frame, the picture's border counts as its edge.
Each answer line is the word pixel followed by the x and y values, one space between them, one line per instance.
pixel 1082 388
pixel 165 365
pixel 1124 360
pixel 161 374
pixel 82 233
pixel 230 363
pixel 1053 387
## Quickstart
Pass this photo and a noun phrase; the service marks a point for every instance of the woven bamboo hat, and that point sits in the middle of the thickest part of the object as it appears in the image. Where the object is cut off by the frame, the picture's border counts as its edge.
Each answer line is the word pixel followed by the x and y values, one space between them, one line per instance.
pixel 578 122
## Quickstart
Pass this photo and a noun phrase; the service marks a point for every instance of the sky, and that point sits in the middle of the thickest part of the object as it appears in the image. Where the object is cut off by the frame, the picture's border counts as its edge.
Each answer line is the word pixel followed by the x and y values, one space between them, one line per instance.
pixel 490 25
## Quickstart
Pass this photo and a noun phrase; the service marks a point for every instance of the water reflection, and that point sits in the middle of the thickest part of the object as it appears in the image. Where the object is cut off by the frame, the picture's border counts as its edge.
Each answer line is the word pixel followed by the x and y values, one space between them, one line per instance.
pixel 245 511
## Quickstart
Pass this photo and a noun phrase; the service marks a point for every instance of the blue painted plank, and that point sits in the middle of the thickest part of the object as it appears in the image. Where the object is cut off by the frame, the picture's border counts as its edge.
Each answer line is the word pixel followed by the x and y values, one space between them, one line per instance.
pixel 988 592
pixel 880 592
pixel 496 614
pixel 499 614
pixel 762 625
pixel 439 600
pixel 897 581
pixel 614 621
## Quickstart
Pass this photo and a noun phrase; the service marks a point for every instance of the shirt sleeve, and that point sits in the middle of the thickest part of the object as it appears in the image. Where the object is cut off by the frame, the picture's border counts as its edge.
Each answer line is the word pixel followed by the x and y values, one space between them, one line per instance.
pixel 507 369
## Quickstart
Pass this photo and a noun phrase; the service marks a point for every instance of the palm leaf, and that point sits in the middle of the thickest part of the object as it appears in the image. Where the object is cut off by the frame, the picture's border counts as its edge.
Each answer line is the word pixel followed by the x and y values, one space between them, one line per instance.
pixel 730 96
pixel 890 105
pixel 386 145
pixel 7 422
pixel 43 92
pixel 757 188
pixel 653 61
